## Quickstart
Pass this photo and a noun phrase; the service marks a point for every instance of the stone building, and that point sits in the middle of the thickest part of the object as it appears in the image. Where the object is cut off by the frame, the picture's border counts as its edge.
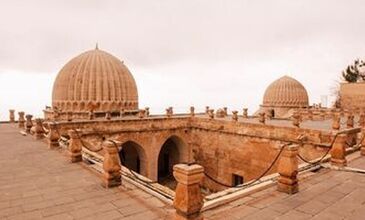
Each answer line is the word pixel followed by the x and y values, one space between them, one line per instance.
pixel 283 97
pixel 352 95
pixel 93 81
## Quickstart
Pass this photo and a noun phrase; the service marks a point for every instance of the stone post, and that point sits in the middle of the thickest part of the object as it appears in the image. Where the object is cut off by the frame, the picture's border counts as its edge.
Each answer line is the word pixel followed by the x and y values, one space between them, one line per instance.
pixel 288 170
pixel 206 109
pixel 211 113
pixel 234 115
pixel 39 131
pixel 350 121
pixel 336 122
pixel 12 115
pixel 91 115
pixel 296 120
pixel 108 115
pixel 53 136
pixel 192 111
pixel 188 199
pixel 169 112
pixel 28 123
pixel 225 109
pixel 338 151
pixel 245 113
pixel 111 165
pixel 69 116
pixel 310 114
pixel 147 111
pixel 21 120
pixel 141 113
pixel 262 117
pixel 75 146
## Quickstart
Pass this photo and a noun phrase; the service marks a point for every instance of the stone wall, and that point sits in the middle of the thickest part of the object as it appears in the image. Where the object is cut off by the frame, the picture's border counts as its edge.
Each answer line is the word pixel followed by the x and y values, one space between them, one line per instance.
pixel 352 95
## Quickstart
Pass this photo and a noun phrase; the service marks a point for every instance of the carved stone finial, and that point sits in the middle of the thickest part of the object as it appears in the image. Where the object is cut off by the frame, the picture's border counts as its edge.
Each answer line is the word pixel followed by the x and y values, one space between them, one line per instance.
pixel 38 130
pixel 53 136
pixel 111 165
pixel 75 146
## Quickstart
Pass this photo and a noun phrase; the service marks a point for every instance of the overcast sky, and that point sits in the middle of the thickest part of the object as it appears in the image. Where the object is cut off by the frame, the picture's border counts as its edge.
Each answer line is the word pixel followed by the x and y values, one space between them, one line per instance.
pixel 181 52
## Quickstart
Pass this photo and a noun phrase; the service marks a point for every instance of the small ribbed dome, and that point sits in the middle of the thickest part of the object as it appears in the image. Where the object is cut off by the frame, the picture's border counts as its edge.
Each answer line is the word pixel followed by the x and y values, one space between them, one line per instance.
pixel 286 92
pixel 95 79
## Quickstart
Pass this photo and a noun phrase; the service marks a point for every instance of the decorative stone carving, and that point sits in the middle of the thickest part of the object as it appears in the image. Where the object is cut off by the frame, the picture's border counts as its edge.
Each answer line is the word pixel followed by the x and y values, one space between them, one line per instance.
pixel 192 111
pixel 288 170
pixel 75 146
pixel 338 151
pixel 39 131
pixel 21 120
pixel 53 136
pixel 111 165
pixel 235 115
pixel 12 115
pixel 188 199
pixel 28 123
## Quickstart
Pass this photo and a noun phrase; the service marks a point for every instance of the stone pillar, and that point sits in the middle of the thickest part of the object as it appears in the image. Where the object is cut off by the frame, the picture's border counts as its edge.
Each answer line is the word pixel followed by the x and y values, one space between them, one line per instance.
pixel 28 123
pixel 188 199
pixel 310 114
pixel 39 131
pixel 75 146
pixel 108 116
pixel 211 113
pixel 206 109
pixel 262 117
pixel 21 120
pixel 169 112
pixel 338 151
pixel 147 111
pixel 350 121
pixel 234 115
pixel 111 165
pixel 53 136
pixel 192 111
pixel 245 112
pixel 12 115
pixel 288 170
pixel 336 122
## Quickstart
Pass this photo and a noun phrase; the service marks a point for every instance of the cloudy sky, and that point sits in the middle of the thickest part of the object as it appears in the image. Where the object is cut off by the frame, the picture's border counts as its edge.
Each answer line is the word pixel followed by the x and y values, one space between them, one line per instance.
pixel 181 53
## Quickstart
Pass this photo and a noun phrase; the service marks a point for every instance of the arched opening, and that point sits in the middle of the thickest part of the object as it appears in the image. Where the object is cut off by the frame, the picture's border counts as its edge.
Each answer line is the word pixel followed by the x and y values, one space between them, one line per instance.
pixel 133 157
pixel 170 154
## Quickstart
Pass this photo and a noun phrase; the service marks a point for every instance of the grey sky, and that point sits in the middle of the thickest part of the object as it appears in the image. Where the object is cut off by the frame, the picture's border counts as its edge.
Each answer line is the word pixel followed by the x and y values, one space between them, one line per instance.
pixel 202 52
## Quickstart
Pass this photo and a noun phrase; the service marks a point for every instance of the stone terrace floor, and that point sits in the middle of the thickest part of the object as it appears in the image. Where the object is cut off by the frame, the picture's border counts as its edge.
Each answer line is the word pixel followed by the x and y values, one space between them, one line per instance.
pixel 37 183
pixel 326 195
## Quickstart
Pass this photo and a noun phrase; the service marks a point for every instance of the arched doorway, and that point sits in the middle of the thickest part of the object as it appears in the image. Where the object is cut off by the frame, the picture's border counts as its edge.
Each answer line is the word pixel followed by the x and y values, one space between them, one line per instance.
pixel 170 154
pixel 133 157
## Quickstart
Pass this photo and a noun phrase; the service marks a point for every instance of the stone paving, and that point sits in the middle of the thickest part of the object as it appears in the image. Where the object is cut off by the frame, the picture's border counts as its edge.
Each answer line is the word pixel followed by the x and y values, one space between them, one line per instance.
pixel 37 183
pixel 327 194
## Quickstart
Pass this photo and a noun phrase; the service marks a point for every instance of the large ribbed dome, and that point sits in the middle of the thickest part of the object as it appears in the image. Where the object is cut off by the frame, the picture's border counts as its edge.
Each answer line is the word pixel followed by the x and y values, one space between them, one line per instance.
pixel 95 80
pixel 286 92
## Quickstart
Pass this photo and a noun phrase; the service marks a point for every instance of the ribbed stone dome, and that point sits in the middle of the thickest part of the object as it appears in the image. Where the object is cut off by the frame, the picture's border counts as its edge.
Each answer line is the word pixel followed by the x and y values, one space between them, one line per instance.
pixel 286 92
pixel 95 79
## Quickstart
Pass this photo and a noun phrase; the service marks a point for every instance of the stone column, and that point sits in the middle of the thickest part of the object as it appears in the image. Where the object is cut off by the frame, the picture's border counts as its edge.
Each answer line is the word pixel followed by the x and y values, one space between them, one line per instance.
pixel 338 151
pixel 39 131
pixel 28 123
pixel 12 115
pixel 53 136
pixel 288 170
pixel 111 166
pixel 75 146
pixel 21 120
pixel 234 115
pixel 188 199
pixel 192 111
pixel 245 112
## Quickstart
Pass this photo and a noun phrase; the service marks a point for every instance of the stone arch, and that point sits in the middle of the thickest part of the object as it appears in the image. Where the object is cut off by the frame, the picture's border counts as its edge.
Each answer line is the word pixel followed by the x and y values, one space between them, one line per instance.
pixel 133 156
pixel 171 152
